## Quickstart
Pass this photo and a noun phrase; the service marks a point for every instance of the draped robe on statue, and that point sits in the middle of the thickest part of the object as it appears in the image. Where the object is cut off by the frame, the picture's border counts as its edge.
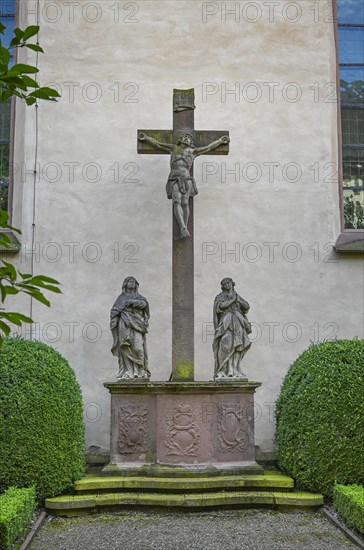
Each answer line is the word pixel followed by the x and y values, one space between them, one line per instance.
pixel 129 325
pixel 231 341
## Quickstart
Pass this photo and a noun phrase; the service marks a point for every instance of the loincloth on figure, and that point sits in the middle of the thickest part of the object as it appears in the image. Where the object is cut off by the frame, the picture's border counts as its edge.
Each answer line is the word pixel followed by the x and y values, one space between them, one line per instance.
pixel 175 178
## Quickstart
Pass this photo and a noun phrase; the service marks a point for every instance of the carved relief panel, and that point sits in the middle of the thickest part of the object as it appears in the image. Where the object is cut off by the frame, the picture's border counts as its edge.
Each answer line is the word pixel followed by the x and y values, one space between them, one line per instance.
pixel 133 428
pixel 231 428
pixel 182 434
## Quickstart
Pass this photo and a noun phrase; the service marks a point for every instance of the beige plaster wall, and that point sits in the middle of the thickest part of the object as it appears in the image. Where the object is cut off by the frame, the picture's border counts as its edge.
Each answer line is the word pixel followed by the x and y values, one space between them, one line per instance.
pixel 91 234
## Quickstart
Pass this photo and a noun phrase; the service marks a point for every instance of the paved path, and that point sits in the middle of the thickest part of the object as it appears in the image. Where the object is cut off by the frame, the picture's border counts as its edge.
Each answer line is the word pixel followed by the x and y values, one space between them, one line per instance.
pixel 208 530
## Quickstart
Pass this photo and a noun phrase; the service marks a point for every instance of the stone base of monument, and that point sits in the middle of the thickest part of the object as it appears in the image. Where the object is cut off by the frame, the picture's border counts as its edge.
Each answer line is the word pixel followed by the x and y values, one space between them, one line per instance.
pixel 183 445
pixel 172 428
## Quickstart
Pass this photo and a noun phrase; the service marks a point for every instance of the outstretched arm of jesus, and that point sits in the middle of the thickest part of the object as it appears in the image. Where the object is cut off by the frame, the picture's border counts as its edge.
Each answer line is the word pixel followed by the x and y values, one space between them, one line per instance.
pixel 213 145
pixel 157 144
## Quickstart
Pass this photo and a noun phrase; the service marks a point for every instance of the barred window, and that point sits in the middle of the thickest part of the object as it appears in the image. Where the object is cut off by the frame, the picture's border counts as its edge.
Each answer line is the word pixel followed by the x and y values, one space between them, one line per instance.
pixel 351 66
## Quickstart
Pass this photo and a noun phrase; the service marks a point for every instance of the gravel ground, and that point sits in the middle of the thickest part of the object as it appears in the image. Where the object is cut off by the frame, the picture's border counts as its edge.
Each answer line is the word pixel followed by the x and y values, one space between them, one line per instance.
pixel 208 530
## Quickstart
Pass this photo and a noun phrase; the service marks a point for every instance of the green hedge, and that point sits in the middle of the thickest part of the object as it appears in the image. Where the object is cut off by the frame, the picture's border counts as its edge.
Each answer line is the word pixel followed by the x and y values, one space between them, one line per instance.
pixel 320 416
pixel 349 502
pixel 41 424
pixel 16 511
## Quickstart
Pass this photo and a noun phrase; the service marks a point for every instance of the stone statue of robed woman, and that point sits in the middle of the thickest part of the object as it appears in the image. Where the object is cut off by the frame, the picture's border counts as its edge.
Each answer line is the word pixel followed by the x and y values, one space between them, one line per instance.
pixel 231 340
pixel 129 326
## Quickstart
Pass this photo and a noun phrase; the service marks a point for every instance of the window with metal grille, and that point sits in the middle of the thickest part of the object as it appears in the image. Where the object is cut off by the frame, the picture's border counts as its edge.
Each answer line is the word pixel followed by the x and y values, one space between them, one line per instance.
pixel 351 65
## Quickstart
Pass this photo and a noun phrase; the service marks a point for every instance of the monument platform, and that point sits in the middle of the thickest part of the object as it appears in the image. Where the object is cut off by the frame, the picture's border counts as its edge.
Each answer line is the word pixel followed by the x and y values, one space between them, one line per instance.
pixel 182 445
pixel 95 493
pixel 182 428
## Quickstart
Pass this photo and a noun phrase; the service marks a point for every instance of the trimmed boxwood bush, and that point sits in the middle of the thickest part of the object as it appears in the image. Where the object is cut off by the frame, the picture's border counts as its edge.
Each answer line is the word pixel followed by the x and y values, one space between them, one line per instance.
pixel 349 502
pixel 320 416
pixel 41 425
pixel 16 511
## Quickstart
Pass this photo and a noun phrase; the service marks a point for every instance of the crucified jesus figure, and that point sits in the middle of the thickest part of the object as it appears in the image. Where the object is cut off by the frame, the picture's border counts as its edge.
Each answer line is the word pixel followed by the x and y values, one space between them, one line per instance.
pixel 181 184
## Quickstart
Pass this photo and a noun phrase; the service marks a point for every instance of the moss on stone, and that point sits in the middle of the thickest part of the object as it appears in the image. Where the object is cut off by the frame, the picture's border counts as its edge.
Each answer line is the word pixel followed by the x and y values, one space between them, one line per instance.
pixel 183 371
pixel 294 500
pixel 182 386
pixel 173 471
pixel 105 483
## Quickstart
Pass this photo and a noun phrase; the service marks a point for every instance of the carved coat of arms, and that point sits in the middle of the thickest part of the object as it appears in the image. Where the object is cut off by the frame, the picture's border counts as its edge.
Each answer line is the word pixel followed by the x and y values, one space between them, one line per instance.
pixel 182 433
pixel 133 428
pixel 231 429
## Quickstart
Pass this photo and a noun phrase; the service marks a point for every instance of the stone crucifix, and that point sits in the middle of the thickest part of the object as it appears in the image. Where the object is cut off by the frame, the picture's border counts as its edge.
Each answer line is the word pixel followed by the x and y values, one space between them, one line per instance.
pixel 183 144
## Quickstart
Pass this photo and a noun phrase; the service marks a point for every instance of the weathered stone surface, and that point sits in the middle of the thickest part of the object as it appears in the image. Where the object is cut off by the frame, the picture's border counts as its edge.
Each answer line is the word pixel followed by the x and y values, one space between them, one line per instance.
pixel 267 480
pixel 181 185
pixel 129 321
pixel 83 503
pixel 197 387
pixel 181 188
pixel 192 425
pixel 200 139
pixel 232 329
pixel 350 242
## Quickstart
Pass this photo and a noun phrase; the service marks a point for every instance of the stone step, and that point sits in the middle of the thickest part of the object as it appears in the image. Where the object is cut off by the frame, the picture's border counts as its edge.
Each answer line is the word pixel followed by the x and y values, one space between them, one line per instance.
pixel 72 505
pixel 195 470
pixel 267 481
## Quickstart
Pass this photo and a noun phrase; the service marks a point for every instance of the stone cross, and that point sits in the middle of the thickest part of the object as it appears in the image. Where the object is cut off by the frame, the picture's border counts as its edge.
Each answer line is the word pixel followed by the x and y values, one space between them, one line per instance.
pixel 205 142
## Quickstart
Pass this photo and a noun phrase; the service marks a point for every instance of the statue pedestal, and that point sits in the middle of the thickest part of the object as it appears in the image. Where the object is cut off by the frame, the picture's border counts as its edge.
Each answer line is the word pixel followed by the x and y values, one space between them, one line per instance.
pixel 199 427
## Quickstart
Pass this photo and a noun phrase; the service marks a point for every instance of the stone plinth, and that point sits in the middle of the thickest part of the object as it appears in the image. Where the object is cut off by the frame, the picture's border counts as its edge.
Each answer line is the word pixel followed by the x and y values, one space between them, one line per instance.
pixel 198 426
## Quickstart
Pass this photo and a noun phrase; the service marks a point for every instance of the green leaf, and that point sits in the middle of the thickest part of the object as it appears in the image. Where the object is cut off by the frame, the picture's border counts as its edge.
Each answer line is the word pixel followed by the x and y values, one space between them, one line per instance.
pixel 2 28
pixel 49 287
pixel 5 328
pixel 4 56
pixel 11 270
pixel 4 239
pixel 30 100
pixel 16 81
pixel 15 42
pixel 40 281
pixel 44 93
pixel 25 276
pixel 4 216
pixel 21 68
pixel 16 318
pixel 3 68
pixel 5 95
pixel 43 279
pixel 18 33
pixel 12 80
pixel 30 31
pixel 11 316
pixel 5 290
pixel 37 295
pixel 30 82
pixel 34 47
pixel 10 290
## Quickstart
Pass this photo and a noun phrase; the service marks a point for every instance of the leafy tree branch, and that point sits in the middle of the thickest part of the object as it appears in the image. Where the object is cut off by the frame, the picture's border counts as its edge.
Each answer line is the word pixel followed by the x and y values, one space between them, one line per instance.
pixel 15 81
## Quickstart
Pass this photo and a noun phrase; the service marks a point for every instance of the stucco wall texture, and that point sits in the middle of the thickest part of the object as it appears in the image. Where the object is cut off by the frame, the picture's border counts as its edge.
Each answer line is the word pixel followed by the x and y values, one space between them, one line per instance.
pixel 267 215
